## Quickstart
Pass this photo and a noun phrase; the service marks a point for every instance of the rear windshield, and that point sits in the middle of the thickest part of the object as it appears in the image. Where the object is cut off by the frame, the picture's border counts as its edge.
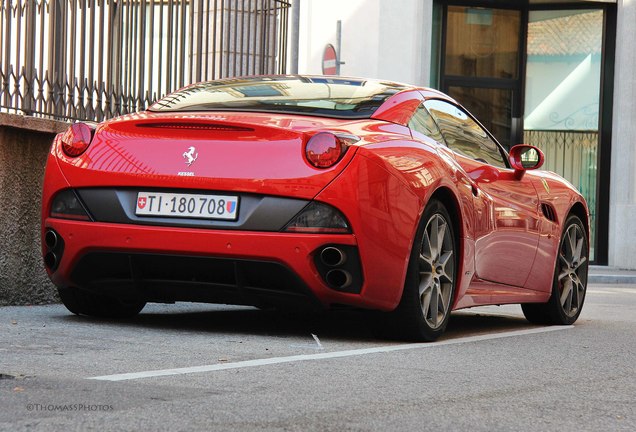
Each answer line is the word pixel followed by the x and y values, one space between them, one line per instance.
pixel 328 97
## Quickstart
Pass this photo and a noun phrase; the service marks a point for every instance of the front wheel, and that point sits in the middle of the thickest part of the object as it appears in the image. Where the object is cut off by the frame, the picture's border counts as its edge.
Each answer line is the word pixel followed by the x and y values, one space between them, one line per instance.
pixel 427 298
pixel 570 279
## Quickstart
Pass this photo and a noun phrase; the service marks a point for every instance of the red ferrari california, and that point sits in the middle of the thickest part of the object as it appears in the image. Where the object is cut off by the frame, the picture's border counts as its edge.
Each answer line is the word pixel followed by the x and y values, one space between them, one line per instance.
pixel 290 191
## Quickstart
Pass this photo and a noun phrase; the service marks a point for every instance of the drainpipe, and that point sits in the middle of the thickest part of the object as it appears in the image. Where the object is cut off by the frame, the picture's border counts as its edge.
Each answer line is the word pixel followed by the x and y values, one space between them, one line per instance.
pixel 338 46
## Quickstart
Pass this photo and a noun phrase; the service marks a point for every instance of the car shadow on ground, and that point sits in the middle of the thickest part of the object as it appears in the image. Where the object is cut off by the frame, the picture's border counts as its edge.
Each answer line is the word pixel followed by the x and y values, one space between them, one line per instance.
pixel 345 325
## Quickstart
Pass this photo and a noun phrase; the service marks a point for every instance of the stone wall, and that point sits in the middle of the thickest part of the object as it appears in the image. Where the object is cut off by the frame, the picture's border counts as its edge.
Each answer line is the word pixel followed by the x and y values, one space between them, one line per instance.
pixel 24 145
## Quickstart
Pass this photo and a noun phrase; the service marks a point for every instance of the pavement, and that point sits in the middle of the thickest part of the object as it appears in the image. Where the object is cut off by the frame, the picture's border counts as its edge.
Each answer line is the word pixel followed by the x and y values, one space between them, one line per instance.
pixel 190 367
pixel 611 275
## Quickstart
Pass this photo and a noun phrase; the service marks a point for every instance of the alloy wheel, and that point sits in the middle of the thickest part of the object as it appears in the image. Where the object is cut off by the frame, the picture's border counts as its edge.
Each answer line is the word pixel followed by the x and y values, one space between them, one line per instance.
pixel 436 269
pixel 572 273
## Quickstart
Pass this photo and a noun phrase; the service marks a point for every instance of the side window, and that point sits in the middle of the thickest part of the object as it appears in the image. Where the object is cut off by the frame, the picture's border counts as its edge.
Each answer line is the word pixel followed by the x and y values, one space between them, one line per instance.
pixel 423 123
pixel 463 134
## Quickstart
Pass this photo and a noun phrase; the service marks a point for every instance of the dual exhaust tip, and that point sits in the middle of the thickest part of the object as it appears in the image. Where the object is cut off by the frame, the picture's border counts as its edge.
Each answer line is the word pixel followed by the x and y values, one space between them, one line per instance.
pixel 50 260
pixel 333 257
pixel 51 239
pixel 52 242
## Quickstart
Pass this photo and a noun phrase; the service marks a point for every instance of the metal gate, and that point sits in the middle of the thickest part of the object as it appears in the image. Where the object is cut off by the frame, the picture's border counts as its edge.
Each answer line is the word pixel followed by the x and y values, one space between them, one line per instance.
pixel 95 59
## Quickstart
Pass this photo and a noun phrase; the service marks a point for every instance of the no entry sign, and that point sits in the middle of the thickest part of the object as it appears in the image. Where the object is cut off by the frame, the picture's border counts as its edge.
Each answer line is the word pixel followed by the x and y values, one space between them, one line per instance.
pixel 329 60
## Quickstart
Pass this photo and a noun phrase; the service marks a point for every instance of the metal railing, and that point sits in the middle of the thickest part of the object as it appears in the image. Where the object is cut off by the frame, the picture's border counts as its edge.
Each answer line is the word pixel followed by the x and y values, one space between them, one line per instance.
pixel 95 59
pixel 573 155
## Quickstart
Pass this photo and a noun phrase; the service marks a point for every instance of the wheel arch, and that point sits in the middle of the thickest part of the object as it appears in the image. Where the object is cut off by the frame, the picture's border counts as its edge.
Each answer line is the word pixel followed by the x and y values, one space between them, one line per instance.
pixel 450 201
pixel 579 210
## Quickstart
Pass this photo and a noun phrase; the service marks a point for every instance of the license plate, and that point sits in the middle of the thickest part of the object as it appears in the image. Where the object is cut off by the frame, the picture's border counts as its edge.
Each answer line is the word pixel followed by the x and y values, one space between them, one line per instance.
pixel 224 207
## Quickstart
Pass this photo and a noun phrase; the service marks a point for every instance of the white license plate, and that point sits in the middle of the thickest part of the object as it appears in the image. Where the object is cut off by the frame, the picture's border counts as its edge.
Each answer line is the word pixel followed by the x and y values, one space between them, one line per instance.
pixel 223 207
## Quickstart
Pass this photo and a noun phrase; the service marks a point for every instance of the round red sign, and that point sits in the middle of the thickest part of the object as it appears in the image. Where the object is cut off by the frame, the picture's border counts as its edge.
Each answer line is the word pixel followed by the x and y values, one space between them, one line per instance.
pixel 329 59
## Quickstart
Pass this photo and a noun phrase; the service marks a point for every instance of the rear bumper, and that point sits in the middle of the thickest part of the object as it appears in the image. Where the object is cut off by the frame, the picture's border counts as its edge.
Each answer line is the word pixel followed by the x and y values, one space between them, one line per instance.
pixel 169 264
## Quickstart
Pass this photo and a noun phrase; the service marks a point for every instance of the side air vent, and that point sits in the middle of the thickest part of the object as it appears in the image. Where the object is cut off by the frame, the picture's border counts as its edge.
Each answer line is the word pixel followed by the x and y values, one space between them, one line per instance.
pixel 548 212
pixel 195 126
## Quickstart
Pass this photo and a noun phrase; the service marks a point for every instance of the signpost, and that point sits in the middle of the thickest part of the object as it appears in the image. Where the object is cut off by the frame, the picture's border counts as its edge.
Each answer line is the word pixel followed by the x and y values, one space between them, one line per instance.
pixel 329 60
pixel 331 57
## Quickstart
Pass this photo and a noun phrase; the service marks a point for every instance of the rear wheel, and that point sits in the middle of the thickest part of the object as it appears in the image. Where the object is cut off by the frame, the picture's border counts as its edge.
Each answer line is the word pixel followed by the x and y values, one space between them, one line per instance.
pixel 92 304
pixel 426 302
pixel 570 279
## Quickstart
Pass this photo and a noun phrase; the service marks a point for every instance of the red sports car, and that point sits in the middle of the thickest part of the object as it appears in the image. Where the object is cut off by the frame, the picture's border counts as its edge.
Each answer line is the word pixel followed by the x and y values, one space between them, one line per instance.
pixel 287 191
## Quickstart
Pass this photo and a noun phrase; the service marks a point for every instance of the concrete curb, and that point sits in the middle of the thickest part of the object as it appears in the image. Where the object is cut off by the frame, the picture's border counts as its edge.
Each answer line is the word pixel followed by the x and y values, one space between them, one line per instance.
pixel 612 279
pixel 610 275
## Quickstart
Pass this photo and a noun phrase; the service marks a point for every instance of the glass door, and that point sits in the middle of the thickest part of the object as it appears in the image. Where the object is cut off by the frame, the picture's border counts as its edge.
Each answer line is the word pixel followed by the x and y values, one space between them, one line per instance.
pixel 562 96
pixel 481 65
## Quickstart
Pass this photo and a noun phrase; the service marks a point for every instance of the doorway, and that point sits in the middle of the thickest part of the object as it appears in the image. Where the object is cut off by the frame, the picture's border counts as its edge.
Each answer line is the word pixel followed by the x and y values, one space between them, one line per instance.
pixel 538 75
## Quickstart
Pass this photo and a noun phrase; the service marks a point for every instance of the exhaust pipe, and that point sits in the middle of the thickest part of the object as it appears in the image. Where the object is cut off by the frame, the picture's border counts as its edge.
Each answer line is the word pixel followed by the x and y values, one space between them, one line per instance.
pixel 339 279
pixel 50 239
pixel 50 259
pixel 332 256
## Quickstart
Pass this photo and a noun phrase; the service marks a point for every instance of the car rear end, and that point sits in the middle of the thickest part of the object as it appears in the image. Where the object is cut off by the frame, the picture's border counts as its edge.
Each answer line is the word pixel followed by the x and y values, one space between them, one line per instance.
pixel 211 206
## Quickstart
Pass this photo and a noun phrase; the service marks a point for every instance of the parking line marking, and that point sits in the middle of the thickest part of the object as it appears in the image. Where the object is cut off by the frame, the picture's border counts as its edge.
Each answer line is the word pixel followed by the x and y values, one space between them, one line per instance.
pixel 320 356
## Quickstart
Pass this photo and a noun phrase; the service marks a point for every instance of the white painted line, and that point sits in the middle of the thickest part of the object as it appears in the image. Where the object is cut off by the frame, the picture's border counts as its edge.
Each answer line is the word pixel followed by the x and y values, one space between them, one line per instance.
pixel 321 356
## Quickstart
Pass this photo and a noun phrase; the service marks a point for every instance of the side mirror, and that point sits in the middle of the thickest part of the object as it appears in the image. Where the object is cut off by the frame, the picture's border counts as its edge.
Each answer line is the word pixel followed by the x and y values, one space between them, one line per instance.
pixel 524 157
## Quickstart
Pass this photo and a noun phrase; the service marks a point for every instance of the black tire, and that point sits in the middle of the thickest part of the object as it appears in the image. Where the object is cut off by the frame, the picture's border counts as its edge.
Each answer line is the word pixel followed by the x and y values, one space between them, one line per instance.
pixel 92 304
pixel 429 288
pixel 569 283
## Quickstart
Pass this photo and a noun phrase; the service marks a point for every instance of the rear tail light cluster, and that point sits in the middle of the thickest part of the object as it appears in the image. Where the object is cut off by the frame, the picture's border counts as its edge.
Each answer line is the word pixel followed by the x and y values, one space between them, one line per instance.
pixel 66 205
pixel 325 149
pixel 318 218
pixel 76 139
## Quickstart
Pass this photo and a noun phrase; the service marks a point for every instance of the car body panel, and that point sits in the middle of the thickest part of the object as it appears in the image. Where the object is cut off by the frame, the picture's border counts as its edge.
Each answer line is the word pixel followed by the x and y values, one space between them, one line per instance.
pixel 552 189
pixel 506 223
pixel 399 108
pixel 383 214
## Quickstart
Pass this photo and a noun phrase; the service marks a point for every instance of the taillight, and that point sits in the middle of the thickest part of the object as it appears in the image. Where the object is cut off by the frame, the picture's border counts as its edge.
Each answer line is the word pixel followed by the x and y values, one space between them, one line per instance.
pixel 324 149
pixel 66 205
pixel 76 139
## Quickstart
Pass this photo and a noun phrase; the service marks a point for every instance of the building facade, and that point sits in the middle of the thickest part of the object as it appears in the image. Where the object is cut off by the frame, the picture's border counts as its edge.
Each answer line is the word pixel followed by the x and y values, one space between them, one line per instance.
pixel 557 74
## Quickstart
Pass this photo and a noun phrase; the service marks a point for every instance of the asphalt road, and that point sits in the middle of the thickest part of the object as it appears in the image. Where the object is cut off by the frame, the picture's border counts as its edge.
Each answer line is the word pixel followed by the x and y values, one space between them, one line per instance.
pixel 205 367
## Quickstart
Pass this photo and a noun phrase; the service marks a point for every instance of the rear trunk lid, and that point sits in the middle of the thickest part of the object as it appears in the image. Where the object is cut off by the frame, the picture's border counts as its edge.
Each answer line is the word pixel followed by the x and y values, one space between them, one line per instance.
pixel 243 152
